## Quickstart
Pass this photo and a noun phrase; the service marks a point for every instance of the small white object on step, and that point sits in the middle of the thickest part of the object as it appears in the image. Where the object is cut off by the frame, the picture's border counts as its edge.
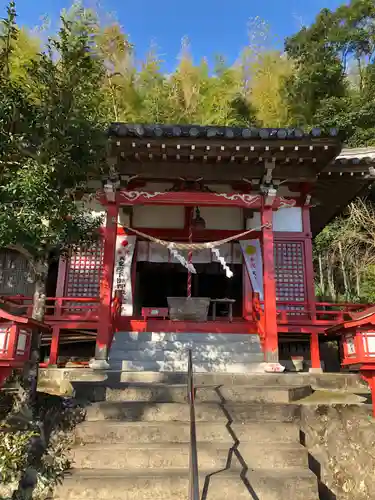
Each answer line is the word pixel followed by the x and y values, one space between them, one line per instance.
pixel 274 368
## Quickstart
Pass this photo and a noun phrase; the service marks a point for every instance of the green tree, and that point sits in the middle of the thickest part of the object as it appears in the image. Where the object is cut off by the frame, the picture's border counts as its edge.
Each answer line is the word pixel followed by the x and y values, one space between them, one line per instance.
pixel 318 74
pixel 51 141
pixel 333 84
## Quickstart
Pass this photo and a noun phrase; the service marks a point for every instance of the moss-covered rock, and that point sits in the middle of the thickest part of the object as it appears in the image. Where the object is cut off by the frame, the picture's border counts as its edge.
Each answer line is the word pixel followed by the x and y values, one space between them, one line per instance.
pixel 341 442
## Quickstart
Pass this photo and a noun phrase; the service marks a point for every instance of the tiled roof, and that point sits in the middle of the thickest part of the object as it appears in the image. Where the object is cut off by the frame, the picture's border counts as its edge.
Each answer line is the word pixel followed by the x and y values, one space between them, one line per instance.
pixel 211 132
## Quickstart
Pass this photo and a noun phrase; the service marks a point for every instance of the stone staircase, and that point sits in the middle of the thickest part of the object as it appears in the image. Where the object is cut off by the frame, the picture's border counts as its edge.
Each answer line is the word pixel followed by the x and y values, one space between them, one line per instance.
pixel 234 353
pixel 134 443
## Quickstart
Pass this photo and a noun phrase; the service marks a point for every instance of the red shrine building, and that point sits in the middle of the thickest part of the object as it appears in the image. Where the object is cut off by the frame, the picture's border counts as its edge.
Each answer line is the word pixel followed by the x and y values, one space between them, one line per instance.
pixel 206 243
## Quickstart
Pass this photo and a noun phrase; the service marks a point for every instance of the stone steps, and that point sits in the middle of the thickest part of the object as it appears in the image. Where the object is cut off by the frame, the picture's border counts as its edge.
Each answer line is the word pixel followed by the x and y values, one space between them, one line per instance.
pixel 199 357
pixel 116 432
pixel 130 411
pixel 168 352
pixel 233 346
pixel 189 338
pixel 256 366
pixel 164 393
pixel 296 484
pixel 211 456
pixel 134 443
pixel 328 381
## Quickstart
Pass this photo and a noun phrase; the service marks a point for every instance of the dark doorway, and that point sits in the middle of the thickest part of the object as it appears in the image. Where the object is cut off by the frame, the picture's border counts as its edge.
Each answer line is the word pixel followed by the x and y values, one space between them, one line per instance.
pixel 155 282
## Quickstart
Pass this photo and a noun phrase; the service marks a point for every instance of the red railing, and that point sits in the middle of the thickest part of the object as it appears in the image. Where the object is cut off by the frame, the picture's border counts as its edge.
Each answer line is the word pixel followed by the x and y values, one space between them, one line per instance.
pixel 57 308
pixel 87 309
pixel 318 312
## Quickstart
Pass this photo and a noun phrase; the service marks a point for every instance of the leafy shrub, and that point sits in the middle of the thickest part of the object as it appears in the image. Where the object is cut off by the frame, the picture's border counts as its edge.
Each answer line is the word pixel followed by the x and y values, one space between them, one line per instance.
pixel 35 454
pixel 13 454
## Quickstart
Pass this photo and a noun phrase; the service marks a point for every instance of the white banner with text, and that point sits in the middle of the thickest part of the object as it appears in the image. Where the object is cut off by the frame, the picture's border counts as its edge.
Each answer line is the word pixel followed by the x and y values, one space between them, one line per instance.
pixel 252 254
pixel 122 280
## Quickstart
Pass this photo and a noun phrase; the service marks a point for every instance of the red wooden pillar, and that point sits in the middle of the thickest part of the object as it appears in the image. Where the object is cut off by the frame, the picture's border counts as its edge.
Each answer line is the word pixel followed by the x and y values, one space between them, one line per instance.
pixel 104 336
pixel 271 345
pixel 309 267
pixel 368 374
pixel 54 352
pixel 315 353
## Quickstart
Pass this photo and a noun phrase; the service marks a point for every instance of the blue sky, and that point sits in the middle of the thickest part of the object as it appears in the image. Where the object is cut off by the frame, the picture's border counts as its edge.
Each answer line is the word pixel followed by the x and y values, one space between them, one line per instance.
pixel 212 26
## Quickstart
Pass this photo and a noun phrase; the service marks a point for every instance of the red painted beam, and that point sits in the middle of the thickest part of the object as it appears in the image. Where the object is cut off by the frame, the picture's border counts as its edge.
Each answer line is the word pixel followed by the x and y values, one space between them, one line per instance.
pixel 159 325
pixel 76 324
pixel 189 199
pixel 192 199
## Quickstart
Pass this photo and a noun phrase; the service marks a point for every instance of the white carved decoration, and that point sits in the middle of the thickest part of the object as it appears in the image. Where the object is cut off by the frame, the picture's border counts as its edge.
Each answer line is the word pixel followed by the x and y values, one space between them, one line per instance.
pixel 269 196
pixel 110 192
pixel 284 203
pixel 134 195
pixel 308 200
pixel 249 199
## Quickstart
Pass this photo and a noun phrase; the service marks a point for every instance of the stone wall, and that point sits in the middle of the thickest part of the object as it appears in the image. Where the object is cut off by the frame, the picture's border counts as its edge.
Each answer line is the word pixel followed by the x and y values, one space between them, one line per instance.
pixel 341 444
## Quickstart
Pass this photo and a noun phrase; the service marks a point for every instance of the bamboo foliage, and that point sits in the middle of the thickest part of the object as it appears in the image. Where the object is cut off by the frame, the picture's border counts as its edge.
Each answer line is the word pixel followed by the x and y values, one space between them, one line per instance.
pixel 268 73
pixel 345 253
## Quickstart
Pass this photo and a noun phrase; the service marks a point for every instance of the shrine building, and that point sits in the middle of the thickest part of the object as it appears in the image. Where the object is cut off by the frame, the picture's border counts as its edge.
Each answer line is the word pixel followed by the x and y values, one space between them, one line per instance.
pixel 206 240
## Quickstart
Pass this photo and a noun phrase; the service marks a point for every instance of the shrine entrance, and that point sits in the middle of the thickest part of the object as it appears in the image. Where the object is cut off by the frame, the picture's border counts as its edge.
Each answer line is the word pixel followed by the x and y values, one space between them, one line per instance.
pixel 157 281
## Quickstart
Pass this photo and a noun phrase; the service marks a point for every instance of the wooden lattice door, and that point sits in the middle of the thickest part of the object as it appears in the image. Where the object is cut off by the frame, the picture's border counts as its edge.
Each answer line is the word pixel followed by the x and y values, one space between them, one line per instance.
pixel 290 275
pixel 84 271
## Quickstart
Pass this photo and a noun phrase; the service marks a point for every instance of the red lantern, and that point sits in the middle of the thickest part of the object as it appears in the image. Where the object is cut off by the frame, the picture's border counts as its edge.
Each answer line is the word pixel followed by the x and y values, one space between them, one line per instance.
pixel 358 343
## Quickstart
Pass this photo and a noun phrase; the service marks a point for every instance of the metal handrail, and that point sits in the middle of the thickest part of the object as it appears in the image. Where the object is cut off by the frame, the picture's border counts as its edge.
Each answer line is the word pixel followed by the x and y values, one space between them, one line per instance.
pixel 193 454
